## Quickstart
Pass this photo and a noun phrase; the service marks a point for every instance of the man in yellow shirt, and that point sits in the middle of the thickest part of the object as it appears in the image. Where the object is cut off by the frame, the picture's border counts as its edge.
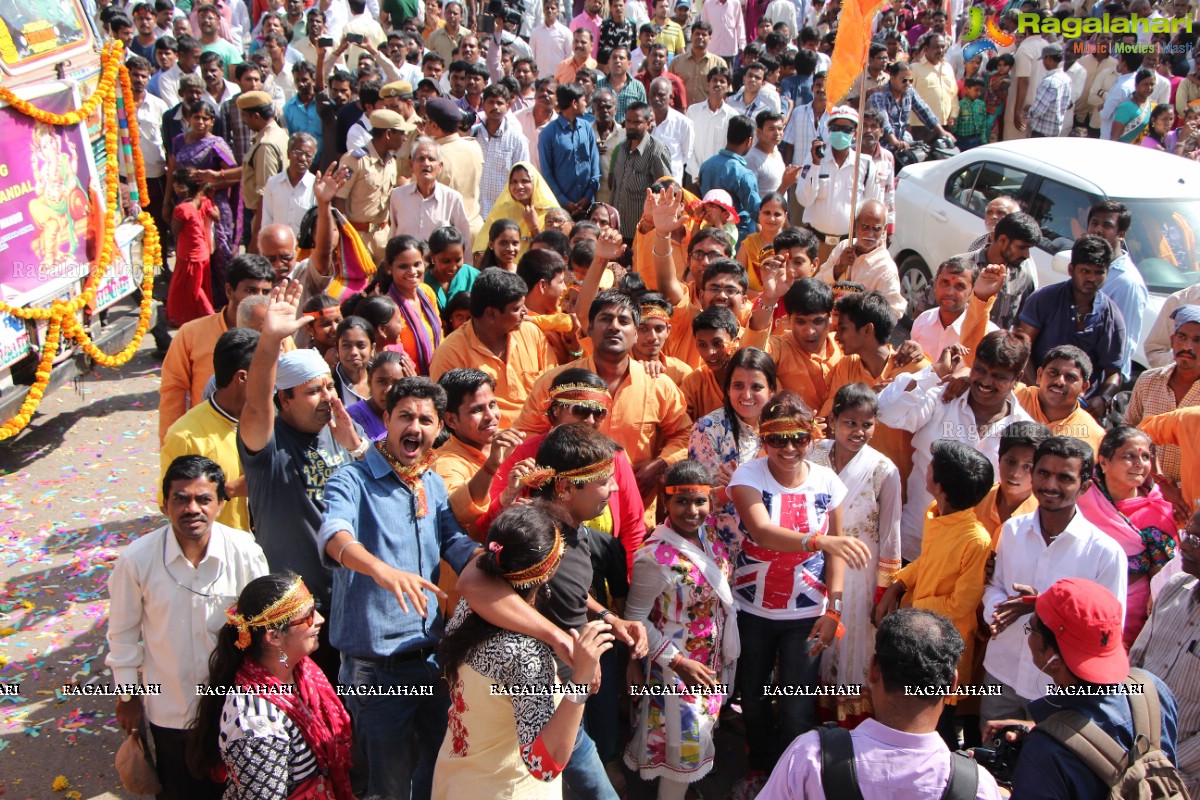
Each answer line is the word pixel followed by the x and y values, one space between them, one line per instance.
pixel 648 417
pixel 948 577
pixel 209 429
pixel 1061 380
pixel 807 355
pixel 716 331
pixel 499 341
pixel 189 361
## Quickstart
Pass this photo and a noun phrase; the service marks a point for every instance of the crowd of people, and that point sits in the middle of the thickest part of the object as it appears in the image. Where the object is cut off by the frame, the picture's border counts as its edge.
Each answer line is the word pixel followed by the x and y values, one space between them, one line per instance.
pixel 544 397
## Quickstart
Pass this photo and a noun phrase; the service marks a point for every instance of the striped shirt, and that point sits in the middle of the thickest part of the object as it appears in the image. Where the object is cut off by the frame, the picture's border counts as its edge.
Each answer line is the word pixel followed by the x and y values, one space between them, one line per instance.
pixel 1168 647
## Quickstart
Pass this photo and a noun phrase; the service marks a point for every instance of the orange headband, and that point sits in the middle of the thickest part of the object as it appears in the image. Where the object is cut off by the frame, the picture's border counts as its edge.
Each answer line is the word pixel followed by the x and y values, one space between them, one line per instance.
pixel 295 598
pixel 325 313
pixel 652 311
pixel 581 393
pixel 540 572
pixel 785 426
pixel 687 487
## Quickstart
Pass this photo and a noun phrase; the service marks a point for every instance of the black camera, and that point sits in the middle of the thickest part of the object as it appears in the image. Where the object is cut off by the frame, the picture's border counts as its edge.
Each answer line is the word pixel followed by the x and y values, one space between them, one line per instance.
pixel 1001 758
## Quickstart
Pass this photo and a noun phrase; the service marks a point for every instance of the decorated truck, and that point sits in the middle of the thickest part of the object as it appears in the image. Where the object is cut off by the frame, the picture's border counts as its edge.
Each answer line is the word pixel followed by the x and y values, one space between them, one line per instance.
pixel 77 254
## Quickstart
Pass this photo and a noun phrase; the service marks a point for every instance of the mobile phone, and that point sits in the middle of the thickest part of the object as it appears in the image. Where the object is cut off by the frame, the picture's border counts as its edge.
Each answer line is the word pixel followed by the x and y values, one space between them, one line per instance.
pixel 355 38
pixel 820 149
pixel 325 41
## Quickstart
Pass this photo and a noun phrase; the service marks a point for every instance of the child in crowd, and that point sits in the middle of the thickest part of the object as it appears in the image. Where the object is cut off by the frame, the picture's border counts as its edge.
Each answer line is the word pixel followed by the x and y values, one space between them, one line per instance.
pixel 971 125
pixel 758 246
pixel 871 514
pixel 716 330
pixel 681 591
pixel 355 348
pixel 797 250
pixel 948 577
pixel 326 314
pixel 808 353
pixel 999 79
pixel 190 296
pixel 1012 496
pixel 457 312
pixel 716 211
pixel 383 370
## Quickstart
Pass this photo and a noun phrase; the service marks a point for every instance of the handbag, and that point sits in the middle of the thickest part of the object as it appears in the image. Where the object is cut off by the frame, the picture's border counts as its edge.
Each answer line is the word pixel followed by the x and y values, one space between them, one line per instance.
pixel 136 767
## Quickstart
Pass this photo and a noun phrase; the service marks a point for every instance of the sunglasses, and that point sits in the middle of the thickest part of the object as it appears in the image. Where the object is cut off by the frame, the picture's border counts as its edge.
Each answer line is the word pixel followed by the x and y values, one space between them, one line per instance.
pixel 780 442
pixel 306 620
pixel 841 129
pixel 584 411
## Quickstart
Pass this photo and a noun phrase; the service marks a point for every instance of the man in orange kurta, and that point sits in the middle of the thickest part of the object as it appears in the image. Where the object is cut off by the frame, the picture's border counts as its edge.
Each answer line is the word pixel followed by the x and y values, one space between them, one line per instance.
pixel 499 341
pixel 188 363
pixel 805 357
pixel 1063 377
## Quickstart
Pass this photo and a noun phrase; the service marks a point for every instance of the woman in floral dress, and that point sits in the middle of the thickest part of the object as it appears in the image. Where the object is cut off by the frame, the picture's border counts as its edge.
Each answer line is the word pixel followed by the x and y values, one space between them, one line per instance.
pixel 681 590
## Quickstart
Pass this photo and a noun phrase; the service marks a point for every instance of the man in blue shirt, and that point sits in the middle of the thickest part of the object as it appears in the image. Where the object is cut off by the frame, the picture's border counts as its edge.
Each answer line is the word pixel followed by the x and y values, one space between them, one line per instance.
pixel 302 113
pixel 727 170
pixel 1076 312
pixel 1124 285
pixel 1075 638
pixel 388 525
pixel 568 153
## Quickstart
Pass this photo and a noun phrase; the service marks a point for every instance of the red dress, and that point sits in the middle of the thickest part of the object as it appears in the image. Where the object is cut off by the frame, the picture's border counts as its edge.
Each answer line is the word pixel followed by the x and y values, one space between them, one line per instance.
pixel 190 295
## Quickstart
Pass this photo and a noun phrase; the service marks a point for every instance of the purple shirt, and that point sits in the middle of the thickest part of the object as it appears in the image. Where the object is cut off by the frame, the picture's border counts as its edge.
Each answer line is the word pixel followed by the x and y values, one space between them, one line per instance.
pixel 361 413
pixel 890 764
pixel 592 24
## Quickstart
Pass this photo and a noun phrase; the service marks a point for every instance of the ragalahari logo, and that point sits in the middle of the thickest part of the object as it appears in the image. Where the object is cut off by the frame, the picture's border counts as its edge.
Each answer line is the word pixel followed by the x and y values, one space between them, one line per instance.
pixel 984 33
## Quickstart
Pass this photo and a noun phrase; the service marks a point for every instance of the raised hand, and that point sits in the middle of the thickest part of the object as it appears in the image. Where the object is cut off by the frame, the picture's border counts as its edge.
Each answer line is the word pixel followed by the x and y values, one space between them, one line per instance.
pixel 775 281
pixel 609 245
pixel 990 281
pixel 950 360
pixel 281 320
pixel 502 444
pixel 342 426
pixel 325 188
pixel 666 210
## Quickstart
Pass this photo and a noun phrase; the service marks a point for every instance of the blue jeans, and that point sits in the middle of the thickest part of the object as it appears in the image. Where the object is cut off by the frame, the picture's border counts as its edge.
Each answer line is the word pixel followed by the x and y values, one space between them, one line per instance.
pixel 400 736
pixel 601 715
pixel 765 643
pixel 584 773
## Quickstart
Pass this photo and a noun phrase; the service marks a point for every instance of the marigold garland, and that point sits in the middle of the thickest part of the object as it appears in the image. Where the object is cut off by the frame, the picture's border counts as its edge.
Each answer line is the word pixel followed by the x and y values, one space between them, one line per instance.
pixel 61 313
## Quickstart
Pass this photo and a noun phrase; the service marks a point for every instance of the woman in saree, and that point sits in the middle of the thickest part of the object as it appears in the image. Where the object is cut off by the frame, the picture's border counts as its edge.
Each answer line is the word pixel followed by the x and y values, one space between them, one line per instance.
pixel 1132 119
pixel 283 735
pixel 525 200
pixel 212 162
pixel 405 262
pixel 1124 503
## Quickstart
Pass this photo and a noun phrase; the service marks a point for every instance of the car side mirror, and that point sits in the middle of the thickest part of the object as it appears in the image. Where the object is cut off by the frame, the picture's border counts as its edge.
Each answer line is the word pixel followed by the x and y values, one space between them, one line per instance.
pixel 1061 263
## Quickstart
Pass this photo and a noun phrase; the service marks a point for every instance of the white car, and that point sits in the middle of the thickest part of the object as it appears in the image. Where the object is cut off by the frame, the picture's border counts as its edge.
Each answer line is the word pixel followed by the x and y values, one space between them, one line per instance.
pixel 940 205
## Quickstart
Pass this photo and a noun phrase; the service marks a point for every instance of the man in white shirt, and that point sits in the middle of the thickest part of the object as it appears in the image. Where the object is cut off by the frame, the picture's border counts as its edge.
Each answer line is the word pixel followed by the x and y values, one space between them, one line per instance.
pixel 955 293
pixel 289 194
pixel 1121 90
pixel 188 63
pixel 552 41
pixel 422 206
pixel 1099 67
pixel 168 594
pixel 756 94
pixel 825 185
pixel 900 745
pixel 535 118
pixel 1034 551
pixel 1027 73
pixel 217 89
pixel 913 402
pixel 865 259
pixel 670 127
pixel 710 119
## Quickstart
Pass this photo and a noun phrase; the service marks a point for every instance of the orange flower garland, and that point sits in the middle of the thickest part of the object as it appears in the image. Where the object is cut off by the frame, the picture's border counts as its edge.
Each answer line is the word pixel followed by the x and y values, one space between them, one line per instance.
pixel 61 314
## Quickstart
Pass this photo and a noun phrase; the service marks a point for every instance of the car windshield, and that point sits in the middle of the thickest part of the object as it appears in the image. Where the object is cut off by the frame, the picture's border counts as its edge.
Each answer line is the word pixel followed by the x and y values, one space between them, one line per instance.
pixel 1164 242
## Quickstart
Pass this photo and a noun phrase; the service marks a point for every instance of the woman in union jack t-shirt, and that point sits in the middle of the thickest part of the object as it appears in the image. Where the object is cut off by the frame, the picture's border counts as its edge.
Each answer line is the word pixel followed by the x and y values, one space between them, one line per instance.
pixel 788 578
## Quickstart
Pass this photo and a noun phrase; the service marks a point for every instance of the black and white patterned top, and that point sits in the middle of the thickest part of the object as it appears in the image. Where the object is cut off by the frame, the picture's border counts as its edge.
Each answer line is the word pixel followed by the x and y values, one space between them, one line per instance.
pixel 265 753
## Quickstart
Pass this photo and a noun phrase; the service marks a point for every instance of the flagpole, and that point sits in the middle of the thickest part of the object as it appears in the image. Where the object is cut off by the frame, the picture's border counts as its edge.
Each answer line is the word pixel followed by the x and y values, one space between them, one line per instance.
pixel 862 98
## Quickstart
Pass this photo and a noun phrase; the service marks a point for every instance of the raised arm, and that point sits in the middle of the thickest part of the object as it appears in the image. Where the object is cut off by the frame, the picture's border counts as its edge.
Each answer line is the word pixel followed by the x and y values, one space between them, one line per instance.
pixel 257 422
pixel 666 211
pixel 326 237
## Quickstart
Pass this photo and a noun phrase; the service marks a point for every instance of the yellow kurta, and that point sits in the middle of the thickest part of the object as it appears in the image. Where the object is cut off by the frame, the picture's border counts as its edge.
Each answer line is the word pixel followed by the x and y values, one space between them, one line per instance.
pixel 528 357
pixel 894 443
pixel 701 392
pixel 947 578
pixel 805 373
pixel 1079 424
pixel 1180 427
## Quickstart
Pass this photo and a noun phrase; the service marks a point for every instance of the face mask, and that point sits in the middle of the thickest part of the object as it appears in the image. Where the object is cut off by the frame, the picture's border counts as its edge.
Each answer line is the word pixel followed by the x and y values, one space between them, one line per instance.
pixel 840 140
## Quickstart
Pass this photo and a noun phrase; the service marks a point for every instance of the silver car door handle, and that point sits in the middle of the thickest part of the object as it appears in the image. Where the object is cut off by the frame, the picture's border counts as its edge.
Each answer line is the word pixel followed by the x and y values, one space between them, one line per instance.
pixel 940 216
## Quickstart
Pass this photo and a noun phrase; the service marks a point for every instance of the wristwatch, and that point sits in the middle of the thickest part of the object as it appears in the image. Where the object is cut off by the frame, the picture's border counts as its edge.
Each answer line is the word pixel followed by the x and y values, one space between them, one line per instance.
pixel 361 450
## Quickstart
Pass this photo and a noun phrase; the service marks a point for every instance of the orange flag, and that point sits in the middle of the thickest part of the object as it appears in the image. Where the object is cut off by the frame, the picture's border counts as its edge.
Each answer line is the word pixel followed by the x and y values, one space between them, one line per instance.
pixel 850 48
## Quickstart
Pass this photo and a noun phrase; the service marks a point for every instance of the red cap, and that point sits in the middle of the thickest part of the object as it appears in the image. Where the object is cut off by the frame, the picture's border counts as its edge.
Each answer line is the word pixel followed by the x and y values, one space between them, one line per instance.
pixel 1086 620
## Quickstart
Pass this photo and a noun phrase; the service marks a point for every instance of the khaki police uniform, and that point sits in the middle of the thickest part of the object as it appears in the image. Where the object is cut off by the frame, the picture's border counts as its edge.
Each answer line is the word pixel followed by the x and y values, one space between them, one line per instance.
pixel 366 192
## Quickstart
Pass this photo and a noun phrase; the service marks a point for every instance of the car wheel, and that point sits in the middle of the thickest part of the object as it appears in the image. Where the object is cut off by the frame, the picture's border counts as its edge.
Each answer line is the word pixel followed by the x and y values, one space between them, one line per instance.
pixel 916 284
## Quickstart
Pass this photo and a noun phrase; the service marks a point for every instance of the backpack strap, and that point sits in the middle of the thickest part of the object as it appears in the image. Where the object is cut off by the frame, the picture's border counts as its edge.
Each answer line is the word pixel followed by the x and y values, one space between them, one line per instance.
pixel 1098 751
pixel 964 778
pixel 1143 702
pixel 839 776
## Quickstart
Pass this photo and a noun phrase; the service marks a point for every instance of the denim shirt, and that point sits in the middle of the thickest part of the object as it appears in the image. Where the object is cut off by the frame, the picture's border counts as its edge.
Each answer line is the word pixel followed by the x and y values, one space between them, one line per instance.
pixel 367 499
pixel 1046 769
pixel 570 159
pixel 727 170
